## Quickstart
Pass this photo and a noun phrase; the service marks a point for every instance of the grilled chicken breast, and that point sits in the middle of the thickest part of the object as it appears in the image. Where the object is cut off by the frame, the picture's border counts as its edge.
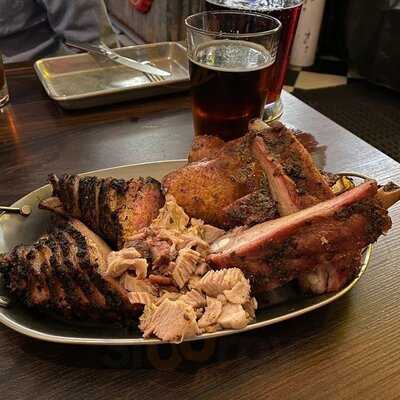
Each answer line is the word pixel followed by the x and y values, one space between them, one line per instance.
pixel 113 208
pixel 60 273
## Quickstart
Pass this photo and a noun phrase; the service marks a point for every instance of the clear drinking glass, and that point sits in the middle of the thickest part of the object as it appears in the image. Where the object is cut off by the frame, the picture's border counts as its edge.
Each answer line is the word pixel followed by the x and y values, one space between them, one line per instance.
pixel 4 97
pixel 230 58
pixel 288 13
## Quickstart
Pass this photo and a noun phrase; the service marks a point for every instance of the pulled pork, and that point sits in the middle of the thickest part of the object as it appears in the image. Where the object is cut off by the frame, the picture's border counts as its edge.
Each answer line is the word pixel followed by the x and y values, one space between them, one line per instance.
pixel 163 267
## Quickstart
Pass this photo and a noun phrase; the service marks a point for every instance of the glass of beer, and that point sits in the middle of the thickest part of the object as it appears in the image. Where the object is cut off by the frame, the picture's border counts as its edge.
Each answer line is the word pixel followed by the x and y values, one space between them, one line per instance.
pixel 230 58
pixel 288 13
pixel 4 97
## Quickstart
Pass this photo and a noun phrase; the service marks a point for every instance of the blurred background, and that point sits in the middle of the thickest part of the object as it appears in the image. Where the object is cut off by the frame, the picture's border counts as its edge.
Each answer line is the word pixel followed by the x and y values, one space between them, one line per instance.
pixel 345 58
pixel 344 62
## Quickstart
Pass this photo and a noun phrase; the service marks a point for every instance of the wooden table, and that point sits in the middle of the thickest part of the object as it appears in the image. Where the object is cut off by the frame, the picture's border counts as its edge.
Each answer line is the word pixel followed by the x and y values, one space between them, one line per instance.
pixel 348 350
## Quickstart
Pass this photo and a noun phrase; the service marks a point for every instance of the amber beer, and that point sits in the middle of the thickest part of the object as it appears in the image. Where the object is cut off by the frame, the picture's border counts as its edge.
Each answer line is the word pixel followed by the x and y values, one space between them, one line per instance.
pixel 230 55
pixel 288 12
pixel 229 86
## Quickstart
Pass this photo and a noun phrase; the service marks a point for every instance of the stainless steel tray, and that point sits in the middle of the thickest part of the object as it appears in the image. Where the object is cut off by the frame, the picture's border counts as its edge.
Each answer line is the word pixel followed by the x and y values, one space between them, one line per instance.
pixel 85 80
pixel 15 229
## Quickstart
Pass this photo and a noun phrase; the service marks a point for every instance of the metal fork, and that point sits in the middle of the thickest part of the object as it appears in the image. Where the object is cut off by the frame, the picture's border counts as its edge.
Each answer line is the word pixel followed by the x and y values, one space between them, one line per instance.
pixel 24 210
pixel 151 77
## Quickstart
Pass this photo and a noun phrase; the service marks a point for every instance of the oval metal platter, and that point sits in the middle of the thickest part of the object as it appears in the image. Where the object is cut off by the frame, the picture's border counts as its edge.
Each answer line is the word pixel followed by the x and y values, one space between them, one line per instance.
pixel 15 229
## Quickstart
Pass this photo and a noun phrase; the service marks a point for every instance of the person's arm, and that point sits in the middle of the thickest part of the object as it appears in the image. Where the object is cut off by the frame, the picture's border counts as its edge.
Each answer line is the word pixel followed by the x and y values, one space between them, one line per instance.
pixel 80 21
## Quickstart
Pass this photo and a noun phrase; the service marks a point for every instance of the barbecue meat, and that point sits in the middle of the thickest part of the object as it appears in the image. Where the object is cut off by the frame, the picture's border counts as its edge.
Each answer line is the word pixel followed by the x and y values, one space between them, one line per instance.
pixel 334 231
pixel 205 147
pixel 113 208
pixel 60 273
pixel 225 183
pixel 332 276
pixel 257 206
pixel 204 188
pixel 219 175
pixel 293 178
pixel 296 184
pixel 208 147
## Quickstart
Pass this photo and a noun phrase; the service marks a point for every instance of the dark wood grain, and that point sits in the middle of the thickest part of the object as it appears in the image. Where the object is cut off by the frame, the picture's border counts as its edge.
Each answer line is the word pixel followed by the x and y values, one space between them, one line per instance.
pixel 348 350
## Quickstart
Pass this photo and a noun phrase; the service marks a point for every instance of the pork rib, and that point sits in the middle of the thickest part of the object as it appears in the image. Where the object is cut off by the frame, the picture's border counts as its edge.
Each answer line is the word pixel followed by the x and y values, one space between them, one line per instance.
pixel 296 184
pixel 274 252
pixel 293 178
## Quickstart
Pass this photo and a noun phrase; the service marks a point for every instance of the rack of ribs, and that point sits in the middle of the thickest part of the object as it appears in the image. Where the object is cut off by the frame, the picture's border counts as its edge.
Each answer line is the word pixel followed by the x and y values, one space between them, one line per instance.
pixel 113 208
pixel 59 273
pixel 296 184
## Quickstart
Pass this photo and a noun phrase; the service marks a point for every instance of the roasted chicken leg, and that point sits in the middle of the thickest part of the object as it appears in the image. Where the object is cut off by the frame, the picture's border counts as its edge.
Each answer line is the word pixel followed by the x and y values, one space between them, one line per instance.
pixel 225 184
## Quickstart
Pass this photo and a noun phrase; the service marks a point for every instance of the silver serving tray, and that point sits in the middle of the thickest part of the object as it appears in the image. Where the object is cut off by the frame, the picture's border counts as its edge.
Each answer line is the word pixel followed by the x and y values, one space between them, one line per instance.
pixel 85 80
pixel 15 229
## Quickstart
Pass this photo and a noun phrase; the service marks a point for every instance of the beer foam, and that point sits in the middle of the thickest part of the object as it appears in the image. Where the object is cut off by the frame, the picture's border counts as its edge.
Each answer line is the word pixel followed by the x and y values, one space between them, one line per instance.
pixel 232 56
pixel 256 5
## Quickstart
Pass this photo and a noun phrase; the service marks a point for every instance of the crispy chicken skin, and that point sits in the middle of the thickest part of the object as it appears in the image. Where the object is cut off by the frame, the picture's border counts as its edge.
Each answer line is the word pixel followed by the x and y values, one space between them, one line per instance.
pixel 226 185
pixel 204 188
pixel 205 147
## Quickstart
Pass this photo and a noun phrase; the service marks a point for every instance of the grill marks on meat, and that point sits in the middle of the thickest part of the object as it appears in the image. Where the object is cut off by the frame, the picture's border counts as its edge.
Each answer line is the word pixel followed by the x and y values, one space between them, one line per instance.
pixel 59 273
pixel 80 275
pixel 62 269
pixel 58 298
pixel 86 200
pixel 38 291
pixel 111 197
pixel 277 251
pixel 91 260
pixel 18 276
pixel 113 208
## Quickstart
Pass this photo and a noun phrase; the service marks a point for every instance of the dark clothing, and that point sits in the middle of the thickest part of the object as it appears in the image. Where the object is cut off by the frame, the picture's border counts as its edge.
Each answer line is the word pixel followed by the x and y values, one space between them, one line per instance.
pixel 31 29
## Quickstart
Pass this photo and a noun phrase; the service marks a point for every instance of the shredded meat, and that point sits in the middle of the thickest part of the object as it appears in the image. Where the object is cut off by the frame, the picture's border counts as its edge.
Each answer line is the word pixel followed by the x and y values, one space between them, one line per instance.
pixel 186 263
pixel 126 259
pixel 170 321
pixel 211 313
